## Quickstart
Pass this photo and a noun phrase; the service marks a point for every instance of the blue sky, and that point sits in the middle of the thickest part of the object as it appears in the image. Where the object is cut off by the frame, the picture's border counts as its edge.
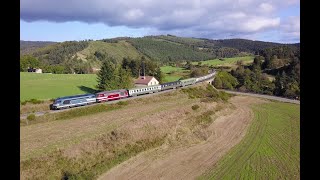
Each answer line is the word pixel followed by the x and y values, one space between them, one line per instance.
pixel 49 20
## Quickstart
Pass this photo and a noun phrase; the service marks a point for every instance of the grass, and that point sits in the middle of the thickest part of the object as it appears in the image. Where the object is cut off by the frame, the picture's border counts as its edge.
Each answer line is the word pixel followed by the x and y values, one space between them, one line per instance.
pixel 270 149
pixel 168 69
pixel 48 86
pixel 226 61
pixel 73 113
pixel 173 73
pixel 208 94
pixel 90 165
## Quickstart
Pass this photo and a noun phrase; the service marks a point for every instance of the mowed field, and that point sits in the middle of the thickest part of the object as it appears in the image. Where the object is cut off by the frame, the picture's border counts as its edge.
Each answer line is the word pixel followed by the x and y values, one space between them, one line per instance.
pixel 47 86
pixel 226 61
pixel 173 73
pixel 270 150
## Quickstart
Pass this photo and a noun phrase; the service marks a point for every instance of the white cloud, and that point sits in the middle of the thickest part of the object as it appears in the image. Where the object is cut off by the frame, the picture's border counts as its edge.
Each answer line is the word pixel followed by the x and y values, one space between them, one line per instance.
pixel 290 28
pixel 205 17
pixel 266 7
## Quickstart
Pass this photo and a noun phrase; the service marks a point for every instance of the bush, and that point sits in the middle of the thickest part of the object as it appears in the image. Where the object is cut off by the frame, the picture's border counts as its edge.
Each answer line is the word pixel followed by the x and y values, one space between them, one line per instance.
pixel 195 107
pixel 35 101
pixel 31 117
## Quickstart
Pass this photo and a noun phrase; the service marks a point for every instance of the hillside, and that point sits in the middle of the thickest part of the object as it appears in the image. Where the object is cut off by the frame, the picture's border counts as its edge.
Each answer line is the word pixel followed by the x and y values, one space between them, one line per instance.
pixel 27 47
pixel 243 45
pixel 117 50
pixel 162 48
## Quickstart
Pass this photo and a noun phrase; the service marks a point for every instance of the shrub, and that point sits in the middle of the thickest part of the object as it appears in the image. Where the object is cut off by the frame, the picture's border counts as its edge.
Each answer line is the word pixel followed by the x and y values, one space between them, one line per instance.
pixel 23 103
pixel 195 107
pixel 31 117
pixel 35 101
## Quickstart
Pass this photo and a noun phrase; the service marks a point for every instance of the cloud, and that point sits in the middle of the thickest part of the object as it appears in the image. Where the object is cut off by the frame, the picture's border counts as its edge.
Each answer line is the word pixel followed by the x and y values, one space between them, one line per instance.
pixel 266 7
pixel 290 28
pixel 207 17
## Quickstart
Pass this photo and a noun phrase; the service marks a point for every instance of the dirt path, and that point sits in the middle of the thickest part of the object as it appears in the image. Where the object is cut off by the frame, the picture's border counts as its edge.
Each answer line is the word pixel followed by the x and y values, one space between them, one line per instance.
pixel 281 99
pixel 190 162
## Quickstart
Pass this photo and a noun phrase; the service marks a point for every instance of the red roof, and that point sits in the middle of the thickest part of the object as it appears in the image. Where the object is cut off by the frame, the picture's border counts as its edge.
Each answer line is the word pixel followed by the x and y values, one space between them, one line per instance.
pixel 145 81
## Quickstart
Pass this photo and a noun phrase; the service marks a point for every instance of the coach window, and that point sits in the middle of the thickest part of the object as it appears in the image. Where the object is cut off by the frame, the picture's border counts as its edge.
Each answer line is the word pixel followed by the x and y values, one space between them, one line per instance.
pixel 66 102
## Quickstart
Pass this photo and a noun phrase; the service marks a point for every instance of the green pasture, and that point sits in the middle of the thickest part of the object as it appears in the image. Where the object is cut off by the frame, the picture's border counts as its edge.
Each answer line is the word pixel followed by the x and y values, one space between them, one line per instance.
pixel 47 86
pixel 226 61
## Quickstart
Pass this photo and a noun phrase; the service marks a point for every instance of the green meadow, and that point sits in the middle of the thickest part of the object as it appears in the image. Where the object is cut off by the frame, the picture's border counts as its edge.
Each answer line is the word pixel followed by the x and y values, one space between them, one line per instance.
pixel 226 61
pixel 173 73
pixel 47 86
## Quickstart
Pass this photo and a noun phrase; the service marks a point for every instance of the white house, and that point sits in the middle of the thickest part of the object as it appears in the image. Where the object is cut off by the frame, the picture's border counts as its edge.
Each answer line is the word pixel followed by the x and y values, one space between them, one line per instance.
pixel 146 81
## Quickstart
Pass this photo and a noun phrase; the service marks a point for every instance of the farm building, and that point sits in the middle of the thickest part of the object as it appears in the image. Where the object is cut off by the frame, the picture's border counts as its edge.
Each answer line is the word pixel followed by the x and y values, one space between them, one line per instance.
pixel 34 70
pixel 146 81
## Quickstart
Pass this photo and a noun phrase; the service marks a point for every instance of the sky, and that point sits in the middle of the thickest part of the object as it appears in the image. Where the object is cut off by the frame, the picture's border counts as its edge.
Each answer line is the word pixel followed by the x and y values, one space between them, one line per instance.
pixel 67 20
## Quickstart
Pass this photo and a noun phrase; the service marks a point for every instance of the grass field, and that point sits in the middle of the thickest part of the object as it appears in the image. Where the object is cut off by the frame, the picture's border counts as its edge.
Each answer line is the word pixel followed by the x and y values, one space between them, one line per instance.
pixel 173 73
pixel 270 150
pixel 226 61
pixel 47 86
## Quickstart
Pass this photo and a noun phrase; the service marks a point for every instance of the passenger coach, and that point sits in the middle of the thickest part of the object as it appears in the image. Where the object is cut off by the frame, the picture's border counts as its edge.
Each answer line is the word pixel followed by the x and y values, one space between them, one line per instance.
pixel 144 90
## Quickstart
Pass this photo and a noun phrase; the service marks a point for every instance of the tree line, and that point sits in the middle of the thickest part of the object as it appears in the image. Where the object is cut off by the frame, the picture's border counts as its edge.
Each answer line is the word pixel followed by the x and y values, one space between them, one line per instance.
pixel 255 77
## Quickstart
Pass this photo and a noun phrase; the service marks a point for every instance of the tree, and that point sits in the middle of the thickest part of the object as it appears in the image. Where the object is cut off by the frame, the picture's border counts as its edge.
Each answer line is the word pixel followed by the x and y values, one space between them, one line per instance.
pixel 28 61
pixel 124 80
pixel 159 75
pixel 188 65
pixel 217 82
pixel 257 63
pixel 106 76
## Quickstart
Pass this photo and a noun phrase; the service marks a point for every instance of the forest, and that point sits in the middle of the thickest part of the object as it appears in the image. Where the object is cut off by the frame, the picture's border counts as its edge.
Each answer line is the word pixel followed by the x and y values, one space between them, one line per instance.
pixel 281 62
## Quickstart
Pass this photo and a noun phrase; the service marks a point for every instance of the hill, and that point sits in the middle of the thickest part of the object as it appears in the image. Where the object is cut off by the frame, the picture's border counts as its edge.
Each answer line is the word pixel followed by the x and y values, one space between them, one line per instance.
pixel 165 51
pixel 26 47
pixel 162 48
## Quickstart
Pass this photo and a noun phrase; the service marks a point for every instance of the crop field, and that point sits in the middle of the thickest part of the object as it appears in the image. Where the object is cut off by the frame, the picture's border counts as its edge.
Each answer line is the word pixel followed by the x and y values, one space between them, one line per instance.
pixel 270 150
pixel 226 61
pixel 47 86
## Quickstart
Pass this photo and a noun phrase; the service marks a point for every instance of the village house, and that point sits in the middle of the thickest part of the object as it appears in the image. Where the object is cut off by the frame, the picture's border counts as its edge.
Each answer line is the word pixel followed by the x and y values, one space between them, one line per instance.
pixel 146 81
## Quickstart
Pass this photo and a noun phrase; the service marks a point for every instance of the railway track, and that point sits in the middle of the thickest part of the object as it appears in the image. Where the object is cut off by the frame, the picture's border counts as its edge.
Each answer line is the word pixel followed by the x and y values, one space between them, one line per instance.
pixel 40 113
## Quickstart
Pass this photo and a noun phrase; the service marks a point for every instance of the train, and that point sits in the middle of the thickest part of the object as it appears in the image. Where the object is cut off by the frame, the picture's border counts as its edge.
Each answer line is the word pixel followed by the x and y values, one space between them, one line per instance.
pixel 104 96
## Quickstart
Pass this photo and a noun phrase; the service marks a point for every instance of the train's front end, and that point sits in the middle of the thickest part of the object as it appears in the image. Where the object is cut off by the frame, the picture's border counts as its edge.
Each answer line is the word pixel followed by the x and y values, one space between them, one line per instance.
pixel 56 104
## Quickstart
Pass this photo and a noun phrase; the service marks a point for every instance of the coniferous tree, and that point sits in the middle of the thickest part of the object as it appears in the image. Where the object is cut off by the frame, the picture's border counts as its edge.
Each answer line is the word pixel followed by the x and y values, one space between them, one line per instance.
pixel 106 76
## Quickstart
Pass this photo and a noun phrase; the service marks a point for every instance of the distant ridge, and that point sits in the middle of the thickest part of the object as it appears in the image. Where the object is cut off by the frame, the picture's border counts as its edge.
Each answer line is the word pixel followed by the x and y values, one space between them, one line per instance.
pixel 162 48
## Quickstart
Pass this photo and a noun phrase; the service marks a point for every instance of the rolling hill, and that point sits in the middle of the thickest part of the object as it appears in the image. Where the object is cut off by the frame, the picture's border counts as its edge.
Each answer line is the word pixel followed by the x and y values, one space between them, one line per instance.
pixel 162 48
